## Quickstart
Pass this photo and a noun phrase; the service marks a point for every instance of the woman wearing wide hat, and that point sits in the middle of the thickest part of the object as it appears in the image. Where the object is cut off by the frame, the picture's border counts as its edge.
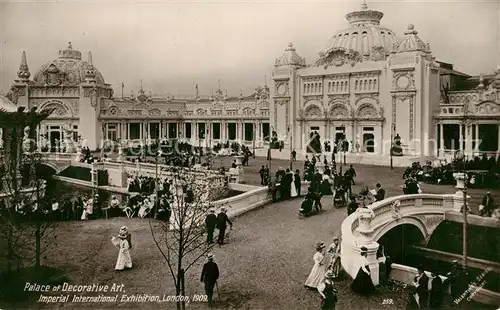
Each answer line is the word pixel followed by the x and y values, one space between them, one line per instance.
pixel 363 284
pixel 328 292
pixel 124 244
pixel 318 270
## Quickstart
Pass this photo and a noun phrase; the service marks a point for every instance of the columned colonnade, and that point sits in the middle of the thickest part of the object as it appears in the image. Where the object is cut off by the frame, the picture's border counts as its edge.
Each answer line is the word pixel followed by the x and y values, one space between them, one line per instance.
pixel 194 130
pixel 472 137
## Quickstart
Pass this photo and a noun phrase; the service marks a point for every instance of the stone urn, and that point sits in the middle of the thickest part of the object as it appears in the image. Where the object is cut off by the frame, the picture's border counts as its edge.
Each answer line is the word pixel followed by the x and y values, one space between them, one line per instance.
pixel 79 155
pixel 238 160
pixel 365 217
pixel 461 178
pixel 458 201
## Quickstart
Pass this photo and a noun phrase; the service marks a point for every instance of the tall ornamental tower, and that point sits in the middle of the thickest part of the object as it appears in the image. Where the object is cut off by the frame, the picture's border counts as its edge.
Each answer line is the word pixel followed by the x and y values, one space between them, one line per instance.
pixel 285 90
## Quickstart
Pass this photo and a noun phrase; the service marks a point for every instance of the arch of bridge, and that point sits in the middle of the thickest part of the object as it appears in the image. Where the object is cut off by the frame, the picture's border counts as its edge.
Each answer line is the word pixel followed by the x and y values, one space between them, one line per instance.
pixel 367 225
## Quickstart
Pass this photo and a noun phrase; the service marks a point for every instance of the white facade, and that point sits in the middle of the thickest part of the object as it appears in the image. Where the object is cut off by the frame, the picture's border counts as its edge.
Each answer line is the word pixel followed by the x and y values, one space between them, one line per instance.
pixel 366 83
pixel 86 110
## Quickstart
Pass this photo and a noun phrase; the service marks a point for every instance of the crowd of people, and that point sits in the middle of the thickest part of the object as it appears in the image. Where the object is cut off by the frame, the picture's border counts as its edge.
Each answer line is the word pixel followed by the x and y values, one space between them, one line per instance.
pixel 482 171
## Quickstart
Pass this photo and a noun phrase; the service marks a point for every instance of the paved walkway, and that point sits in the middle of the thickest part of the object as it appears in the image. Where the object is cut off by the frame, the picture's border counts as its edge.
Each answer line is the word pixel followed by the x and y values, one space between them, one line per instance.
pixel 264 265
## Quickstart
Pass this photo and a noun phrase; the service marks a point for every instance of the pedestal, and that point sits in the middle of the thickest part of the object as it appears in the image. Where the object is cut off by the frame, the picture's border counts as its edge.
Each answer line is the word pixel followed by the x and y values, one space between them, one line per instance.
pixel 93 174
pixel 70 146
pixel 458 200
pixel 120 154
pixel 79 155
pixel 239 165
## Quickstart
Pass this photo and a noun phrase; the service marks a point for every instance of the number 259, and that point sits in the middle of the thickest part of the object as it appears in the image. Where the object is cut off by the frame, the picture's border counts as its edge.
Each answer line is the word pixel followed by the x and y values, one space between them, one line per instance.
pixel 388 302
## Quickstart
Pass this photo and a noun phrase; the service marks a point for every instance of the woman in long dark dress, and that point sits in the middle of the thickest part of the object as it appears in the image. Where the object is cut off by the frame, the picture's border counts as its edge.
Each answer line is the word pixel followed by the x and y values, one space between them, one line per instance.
pixel 363 284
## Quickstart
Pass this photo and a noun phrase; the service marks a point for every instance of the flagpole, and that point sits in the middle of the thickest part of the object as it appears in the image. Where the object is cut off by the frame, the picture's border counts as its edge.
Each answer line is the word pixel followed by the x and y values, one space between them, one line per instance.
pixel 122 89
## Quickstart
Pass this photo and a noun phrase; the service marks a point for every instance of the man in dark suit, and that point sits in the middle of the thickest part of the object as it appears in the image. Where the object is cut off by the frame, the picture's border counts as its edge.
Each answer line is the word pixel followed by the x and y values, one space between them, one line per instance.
pixel 297 181
pixel 262 172
pixel 222 219
pixel 286 182
pixel 352 206
pixel 422 283
pixel 437 292
pixel 209 276
pixel 380 195
pixel 488 205
pixel 210 223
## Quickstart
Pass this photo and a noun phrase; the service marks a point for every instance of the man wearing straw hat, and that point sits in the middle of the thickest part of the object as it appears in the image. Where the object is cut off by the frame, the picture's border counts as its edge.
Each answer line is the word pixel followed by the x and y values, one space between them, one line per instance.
pixel 209 276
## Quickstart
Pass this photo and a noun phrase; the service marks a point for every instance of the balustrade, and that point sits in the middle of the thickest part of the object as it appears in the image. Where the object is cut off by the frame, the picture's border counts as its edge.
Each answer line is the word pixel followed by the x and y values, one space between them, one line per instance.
pixel 367 225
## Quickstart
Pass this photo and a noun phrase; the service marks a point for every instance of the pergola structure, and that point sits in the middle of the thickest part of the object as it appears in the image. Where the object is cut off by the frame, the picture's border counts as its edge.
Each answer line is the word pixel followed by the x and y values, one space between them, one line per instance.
pixel 18 139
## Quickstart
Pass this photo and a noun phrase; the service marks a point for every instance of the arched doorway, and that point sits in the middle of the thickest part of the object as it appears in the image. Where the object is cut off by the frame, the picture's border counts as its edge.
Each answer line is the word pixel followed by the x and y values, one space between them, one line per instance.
pixel 394 243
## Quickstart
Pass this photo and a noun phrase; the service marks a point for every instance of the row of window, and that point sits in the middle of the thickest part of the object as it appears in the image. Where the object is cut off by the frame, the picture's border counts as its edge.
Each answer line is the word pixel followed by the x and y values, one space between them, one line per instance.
pixel 312 88
pixel 341 86
pixel 365 85
pixel 202 131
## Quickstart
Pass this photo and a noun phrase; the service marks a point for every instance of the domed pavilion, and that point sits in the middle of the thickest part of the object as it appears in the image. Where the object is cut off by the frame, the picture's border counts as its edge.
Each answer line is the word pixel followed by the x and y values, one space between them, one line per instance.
pixel 70 87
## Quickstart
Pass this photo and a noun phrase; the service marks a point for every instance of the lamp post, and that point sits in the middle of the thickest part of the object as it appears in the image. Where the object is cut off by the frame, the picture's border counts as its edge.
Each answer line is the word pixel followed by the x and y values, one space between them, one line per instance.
pixel 144 142
pixel 393 129
pixel 344 141
pixel 253 136
pixel 270 156
pixel 158 154
pixel 199 144
pixel 209 155
pixel 465 206
pixel 341 149
pixel 291 158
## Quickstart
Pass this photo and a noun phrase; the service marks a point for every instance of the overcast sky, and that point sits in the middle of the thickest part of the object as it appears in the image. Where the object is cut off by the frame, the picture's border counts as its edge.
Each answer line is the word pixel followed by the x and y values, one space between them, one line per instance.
pixel 173 45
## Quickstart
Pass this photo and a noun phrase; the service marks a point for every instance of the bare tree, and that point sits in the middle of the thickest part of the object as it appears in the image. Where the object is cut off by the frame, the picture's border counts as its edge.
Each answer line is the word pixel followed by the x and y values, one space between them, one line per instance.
pixel 181 240
pixel 21 208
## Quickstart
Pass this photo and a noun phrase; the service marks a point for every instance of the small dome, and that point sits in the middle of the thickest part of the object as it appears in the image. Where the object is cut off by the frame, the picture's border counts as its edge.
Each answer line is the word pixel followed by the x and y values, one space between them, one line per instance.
pixel 411 42
pixel 363 34
pixel 68 69
pixel 290 58
pixel 6 105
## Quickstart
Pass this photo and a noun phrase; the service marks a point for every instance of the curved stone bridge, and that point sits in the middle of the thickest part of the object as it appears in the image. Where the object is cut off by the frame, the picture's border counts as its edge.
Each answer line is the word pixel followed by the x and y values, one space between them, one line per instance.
pixel 118 171
pixel 367 225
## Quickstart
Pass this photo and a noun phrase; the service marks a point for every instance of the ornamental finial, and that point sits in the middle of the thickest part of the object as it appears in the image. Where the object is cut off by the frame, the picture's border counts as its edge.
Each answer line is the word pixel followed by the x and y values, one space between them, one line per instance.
pixel 70 46
pixel 24 72
pixel 364 6
pixel 90 59
pixel 481 82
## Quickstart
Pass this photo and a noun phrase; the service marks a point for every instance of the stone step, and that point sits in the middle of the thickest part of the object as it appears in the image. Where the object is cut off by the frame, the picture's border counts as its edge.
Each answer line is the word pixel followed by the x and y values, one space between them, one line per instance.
pixel 351 158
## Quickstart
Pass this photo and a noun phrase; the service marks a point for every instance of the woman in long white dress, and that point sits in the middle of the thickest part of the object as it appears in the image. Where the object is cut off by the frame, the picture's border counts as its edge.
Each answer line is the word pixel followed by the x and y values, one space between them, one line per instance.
pixel 123 243
pixel 293 190
pixel 88 208
pixel 318 271
pixel 145 208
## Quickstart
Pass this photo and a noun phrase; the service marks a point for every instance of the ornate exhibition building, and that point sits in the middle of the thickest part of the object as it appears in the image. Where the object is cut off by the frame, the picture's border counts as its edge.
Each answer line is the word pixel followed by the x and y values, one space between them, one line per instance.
pixel 370 83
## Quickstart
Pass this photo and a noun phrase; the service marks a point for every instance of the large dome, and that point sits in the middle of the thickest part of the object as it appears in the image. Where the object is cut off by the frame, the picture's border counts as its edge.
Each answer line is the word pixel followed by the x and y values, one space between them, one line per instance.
pixel 363 35
pixel 68 69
